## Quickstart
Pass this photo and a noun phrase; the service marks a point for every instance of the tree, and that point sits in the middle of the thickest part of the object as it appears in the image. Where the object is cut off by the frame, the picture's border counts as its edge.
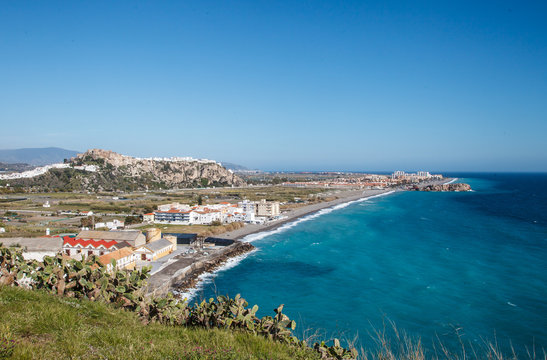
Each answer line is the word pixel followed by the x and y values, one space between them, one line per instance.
pixel 130 220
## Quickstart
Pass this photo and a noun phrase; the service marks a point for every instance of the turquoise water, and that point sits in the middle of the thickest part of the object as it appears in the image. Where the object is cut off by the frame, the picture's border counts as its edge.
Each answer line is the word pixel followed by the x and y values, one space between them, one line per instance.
pixel 434 263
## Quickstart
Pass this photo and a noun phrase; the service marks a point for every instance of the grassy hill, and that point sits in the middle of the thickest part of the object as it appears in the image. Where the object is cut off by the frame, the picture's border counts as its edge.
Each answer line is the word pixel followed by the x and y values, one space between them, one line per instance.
pixel 44 326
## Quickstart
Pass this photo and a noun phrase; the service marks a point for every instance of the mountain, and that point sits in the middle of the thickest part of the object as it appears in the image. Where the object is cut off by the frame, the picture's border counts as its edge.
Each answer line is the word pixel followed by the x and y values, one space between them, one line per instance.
pixel 235 167
pixel 104 170
pixel 36 156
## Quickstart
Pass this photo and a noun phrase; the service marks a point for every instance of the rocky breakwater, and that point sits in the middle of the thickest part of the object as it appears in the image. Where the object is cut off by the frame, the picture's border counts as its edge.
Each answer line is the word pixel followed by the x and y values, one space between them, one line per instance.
pixel 445 187
pixel 182 275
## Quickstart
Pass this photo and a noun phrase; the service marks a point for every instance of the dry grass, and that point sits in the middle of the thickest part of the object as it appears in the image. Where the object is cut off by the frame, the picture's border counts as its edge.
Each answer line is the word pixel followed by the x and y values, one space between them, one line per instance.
pixel 393 344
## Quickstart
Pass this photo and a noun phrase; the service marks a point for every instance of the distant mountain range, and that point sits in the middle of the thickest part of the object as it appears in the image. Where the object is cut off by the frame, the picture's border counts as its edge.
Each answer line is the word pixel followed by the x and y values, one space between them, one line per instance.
pixel 36 156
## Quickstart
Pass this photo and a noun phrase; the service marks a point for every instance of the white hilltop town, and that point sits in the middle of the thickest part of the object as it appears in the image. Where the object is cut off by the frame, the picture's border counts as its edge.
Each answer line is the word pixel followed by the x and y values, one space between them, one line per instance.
pixel 93 168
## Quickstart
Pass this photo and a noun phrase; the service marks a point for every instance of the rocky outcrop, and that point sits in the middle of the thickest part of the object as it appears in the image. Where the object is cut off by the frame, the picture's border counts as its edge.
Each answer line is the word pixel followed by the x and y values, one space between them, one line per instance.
pixel 446 187
pixel 104 170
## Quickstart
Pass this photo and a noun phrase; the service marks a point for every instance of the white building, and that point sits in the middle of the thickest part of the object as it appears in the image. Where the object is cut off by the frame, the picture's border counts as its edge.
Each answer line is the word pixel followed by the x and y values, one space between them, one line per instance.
pixel 200 215
pixel 77 248
pixel 156 249
pixel 112 225
pixel 267 208
pixel 149 218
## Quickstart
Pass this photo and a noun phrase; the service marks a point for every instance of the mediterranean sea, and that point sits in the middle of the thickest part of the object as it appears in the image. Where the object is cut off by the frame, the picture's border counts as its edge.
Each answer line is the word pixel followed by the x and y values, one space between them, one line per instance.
pixel 439 265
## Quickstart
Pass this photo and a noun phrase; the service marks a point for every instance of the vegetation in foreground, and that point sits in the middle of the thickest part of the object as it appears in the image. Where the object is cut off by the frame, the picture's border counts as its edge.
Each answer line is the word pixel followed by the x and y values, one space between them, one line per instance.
pixel 36 325
pixel 81 311
pixel 88 279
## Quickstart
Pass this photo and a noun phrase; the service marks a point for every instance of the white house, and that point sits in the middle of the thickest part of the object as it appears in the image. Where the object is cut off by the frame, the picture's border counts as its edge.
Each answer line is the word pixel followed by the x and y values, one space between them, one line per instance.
pixel 156 249
pixel 112 225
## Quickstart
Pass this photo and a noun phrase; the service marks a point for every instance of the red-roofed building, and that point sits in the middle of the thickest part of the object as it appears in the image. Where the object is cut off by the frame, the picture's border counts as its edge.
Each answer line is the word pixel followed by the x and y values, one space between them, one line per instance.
pixel 76 247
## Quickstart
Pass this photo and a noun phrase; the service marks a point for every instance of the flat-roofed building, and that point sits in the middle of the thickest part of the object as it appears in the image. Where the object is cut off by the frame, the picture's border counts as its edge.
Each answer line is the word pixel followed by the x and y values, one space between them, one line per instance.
pixel 267 208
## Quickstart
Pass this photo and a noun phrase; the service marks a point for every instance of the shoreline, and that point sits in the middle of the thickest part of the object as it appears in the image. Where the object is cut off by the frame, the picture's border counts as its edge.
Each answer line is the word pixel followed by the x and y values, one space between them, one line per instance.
pixel 197 278
pixel 296 214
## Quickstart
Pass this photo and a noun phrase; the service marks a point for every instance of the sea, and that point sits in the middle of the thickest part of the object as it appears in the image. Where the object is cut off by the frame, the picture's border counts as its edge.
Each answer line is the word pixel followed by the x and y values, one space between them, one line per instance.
pixel 445 267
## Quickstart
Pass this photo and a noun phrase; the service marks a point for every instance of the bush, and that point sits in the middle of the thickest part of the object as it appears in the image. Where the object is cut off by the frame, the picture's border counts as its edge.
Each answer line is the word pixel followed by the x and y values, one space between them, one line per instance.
pixel 90 279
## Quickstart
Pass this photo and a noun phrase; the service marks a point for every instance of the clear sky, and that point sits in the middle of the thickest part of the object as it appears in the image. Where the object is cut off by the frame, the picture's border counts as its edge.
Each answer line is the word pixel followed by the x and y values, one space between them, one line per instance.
pixel 307 85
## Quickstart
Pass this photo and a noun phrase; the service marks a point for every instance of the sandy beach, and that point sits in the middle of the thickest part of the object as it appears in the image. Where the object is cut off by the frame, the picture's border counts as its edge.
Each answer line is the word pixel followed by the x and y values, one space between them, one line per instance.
pixel 344 196
pixel 171 275
pixel 292 215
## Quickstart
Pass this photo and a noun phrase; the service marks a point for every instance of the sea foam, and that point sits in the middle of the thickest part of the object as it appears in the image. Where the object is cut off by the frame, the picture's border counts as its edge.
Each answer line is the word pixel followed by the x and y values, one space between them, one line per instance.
pixel 208 277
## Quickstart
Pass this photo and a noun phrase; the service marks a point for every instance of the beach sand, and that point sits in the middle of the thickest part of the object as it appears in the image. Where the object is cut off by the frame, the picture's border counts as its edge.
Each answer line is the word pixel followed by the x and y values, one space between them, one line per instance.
pixel 343 197
pixel 167 275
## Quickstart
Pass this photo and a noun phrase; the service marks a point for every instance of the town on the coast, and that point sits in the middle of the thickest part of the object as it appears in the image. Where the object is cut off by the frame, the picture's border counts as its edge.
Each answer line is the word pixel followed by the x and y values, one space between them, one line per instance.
pixel 179 216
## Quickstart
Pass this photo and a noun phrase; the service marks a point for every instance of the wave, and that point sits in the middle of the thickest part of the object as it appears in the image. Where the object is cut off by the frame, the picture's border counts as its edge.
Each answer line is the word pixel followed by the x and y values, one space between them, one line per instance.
pixel 451 181
pixel 287 226
pixel 207 278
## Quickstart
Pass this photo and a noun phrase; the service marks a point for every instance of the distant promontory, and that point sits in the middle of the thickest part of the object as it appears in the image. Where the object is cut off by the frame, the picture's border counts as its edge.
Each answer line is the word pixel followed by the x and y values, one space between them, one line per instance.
pixel 445 187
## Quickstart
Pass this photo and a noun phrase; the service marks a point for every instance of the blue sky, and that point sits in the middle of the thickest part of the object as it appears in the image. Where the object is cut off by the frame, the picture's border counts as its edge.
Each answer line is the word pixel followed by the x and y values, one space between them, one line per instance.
pixel 307 85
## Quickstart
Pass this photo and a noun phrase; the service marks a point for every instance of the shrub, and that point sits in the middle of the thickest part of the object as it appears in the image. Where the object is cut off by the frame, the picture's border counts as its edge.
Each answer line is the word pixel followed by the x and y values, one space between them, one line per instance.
pixel 90 279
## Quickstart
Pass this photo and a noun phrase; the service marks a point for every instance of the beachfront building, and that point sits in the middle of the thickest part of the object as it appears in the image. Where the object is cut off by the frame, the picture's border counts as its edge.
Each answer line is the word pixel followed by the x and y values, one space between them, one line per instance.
pixel 202 214
pixel 175 206
pixel 125 258
pixel 156 249
pixel 267 208
pixel 172 216
pixel 148 218
pixel 248 207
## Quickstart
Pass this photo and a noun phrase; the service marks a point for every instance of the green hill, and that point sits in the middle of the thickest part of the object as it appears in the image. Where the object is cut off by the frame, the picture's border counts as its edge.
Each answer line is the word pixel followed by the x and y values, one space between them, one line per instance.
pixel 44 326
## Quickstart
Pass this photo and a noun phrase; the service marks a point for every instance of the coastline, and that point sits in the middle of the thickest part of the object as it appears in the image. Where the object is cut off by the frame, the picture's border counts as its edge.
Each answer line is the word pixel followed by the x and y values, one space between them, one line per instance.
pixel 252 232
pixel 296 214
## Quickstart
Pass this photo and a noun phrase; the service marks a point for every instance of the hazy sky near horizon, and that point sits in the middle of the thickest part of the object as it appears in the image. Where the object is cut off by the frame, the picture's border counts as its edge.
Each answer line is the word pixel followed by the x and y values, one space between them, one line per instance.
pixel 295 85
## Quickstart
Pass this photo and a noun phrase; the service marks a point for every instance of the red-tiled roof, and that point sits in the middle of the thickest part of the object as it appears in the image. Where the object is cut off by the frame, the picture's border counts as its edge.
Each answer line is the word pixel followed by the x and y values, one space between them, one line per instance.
pixel 172 211
pixel 84 243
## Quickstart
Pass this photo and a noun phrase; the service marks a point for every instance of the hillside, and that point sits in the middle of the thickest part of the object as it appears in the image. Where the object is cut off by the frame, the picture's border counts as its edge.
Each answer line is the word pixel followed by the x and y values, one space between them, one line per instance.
pixel 15 167
pixel 44 326
pixel 36 156
pixel 103 170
